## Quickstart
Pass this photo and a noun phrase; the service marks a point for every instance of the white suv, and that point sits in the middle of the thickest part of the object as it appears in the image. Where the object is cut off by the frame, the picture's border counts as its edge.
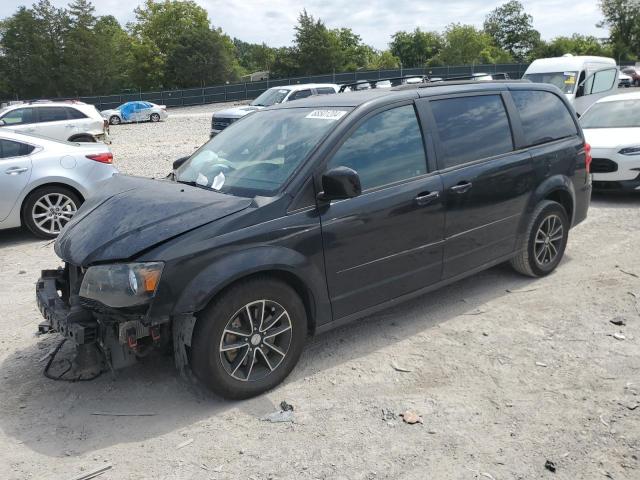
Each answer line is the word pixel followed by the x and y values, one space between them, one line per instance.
pixel 66 121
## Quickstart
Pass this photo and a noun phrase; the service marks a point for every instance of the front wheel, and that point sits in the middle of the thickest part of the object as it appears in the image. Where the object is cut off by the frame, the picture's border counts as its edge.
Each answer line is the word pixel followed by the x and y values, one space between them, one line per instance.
pixel 543 245
pixel 249 338
pixel 154 117
pixel 114 120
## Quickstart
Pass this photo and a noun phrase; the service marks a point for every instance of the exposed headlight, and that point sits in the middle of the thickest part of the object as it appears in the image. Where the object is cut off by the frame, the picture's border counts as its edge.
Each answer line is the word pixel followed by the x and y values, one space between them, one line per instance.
pixel 630 151
pixel 122 285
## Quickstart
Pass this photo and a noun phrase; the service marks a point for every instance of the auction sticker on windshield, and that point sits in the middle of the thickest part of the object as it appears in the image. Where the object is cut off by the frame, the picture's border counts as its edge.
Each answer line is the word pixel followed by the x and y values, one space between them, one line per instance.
pixel 327 114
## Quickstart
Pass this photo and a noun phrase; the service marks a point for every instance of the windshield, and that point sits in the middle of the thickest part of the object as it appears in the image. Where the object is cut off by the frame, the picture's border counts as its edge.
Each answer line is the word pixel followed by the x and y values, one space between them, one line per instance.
pixel 257 154
pixel 616 114
pixel 270 97
pixel 565 81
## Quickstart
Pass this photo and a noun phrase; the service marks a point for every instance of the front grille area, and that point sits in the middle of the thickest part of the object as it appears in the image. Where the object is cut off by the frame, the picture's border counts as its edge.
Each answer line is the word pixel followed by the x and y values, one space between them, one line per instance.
pixel 603 165
pixel 221 123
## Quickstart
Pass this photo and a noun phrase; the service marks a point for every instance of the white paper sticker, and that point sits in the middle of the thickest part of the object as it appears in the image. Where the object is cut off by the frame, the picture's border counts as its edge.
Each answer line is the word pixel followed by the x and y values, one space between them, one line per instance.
pixel 332 115
pixel 218 181
pixel 202 180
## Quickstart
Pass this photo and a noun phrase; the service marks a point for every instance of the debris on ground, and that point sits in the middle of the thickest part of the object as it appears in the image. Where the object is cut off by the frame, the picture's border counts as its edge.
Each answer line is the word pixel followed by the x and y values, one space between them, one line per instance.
pixel 626 272
pixel 549 465
pixel 411 417
pixel 540 364
pixel 629 406
pixel 602 421
pixel 388 414
pixel 509 290
pixel 618 336
pixel 120 414
pixel 398 368
pixel 619 321
pixel 184 444
pixel 93 473
pixel 286 407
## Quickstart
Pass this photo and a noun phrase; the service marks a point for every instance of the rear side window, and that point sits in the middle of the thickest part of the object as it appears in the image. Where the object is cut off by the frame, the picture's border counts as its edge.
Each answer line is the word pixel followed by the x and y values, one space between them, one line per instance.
pixel 544 116
pixel 74 114
pixel 19 116
pixel 52 114
pixel 300 94
pixel 9 148
pixel 471 128
pixel 386 148
pixel 325 90
pixel 601 81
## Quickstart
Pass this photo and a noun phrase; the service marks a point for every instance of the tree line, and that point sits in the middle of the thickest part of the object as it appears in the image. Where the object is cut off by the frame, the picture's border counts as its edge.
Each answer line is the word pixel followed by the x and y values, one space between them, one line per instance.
pixel 47 51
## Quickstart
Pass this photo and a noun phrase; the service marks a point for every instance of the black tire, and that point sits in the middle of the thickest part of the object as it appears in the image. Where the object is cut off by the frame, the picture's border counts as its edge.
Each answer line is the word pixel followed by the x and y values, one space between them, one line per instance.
pixel 154 117
pixel 28 210
pixel 535 256
pixel 114 120
pixel 213 366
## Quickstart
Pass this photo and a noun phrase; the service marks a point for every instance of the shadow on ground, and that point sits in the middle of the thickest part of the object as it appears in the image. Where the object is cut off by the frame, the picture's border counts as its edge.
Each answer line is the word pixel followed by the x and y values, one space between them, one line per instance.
pixel 55 418
pixel 18 236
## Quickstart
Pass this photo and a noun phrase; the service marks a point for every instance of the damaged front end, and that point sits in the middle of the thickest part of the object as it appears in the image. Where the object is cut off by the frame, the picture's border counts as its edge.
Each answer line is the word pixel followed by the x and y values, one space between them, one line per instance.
pixel 103 311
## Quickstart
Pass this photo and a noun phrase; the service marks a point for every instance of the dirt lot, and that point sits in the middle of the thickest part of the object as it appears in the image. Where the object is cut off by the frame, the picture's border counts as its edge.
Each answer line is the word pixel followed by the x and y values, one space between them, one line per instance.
pixel 506 372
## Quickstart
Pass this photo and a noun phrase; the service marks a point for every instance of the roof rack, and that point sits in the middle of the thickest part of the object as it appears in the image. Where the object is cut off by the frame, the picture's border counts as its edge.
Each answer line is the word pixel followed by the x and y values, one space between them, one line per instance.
pixel 454 82
pixel 394 81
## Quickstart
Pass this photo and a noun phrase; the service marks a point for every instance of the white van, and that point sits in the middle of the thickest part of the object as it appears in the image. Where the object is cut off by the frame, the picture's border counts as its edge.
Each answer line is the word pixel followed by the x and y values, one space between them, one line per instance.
pixel 583 79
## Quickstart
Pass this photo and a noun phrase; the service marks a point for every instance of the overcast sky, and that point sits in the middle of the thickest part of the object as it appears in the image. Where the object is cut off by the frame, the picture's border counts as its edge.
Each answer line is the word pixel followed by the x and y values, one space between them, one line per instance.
pixel 272 21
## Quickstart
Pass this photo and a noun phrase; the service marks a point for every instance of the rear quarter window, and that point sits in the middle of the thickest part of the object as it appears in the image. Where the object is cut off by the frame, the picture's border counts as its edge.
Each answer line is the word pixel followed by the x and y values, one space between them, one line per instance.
pixel 471 128
pixel 75 114
pixel 544 116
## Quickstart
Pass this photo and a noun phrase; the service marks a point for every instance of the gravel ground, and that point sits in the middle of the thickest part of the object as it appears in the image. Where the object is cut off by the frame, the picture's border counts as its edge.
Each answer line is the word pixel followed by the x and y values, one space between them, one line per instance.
pixel 506 373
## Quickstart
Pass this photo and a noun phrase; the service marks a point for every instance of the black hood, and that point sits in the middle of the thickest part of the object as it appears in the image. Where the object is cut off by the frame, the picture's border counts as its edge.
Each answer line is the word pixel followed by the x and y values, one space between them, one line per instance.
pixel 129 214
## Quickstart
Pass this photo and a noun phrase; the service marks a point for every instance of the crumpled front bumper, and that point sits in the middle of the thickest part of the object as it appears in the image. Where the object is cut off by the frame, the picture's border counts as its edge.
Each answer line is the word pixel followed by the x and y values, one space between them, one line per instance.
pixel 61 309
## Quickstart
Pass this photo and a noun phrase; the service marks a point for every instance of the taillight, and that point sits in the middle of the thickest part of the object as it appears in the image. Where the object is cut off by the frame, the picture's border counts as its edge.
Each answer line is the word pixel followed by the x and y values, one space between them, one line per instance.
pixel 587 157
pixel 106 157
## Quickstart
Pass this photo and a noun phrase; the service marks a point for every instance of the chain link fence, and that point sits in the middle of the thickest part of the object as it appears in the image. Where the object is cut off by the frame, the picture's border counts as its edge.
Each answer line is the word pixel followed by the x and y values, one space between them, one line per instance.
pixel 250 90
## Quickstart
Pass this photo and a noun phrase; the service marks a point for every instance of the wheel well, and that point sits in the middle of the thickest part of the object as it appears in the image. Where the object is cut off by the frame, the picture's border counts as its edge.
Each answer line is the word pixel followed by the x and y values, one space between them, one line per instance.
pixel 54 184
pixel 294 282
pixel 563 198
pixel 74 138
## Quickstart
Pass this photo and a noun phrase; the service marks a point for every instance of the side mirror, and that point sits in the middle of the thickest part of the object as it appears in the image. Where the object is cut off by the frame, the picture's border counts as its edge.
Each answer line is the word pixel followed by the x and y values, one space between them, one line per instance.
pixel 340 183
pixel 177 163
pixel 2 123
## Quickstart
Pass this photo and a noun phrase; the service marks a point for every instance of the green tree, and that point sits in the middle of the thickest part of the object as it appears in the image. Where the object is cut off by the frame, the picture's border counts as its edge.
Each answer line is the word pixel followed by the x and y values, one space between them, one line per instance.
pixel 253 57
pixel 317 48
pixel 81 58
pixel 623 19
pixel 512 29
pixel 200 58
pixel 352 54
pixel 384 61
pixel 415 49
pixel 465 44
pixel 284 63
pixel 576 44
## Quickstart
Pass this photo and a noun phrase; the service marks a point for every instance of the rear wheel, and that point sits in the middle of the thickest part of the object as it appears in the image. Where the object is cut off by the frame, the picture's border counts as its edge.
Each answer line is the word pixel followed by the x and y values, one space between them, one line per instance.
pixel 249 338
pixel 114 120
pixel 543 246
pixel 83 139
pixel 47 210
pixel 154 117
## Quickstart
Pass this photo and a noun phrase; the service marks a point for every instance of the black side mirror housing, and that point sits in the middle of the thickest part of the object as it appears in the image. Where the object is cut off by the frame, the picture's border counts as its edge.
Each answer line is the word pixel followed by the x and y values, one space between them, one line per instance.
pixel 340 183
pixel 2 123
pixel 177 163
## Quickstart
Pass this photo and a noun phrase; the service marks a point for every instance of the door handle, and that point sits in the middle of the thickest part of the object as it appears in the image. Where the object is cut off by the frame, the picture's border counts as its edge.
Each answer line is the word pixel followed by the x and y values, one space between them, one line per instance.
pixel 69 125
pixel 15 170
pixel 462 187
pixel 426 198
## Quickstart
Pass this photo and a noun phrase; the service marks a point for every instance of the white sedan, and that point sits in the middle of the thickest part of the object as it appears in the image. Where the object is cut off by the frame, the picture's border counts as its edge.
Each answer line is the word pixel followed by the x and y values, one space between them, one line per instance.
pixel 43 182
pixel 612 128
pixel 134 112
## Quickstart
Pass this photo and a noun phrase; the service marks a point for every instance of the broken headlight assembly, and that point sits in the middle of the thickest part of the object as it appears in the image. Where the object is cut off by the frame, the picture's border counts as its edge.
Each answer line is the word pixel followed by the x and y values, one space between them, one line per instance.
pixel 122 285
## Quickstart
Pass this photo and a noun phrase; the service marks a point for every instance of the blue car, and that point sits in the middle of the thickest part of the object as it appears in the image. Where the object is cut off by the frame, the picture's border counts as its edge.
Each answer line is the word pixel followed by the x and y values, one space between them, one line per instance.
pixel 134 112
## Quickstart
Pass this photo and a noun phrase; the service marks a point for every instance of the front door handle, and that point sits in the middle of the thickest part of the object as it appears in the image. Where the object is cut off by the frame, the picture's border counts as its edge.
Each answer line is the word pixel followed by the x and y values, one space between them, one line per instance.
pixel 15 170
pixel 462 187
pixel 426 198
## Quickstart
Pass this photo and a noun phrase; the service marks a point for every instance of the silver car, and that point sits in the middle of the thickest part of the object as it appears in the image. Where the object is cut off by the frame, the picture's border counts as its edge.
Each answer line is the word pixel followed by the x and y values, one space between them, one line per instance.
pixel 133 112
pixel 43 182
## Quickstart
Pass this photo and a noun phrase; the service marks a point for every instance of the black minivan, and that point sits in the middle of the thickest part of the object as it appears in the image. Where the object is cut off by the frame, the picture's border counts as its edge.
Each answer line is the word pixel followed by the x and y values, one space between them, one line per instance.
pixel 310 214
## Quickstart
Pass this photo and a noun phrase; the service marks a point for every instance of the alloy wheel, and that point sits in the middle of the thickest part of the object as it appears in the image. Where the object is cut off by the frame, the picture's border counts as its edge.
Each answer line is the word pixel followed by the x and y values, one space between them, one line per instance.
pixel 548 241
pixel 51 212
pixel 255 340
